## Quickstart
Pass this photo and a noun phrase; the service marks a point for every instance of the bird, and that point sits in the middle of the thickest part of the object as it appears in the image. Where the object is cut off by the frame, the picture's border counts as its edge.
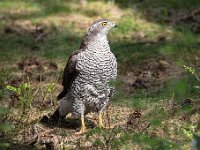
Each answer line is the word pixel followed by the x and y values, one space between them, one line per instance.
pixel 88 76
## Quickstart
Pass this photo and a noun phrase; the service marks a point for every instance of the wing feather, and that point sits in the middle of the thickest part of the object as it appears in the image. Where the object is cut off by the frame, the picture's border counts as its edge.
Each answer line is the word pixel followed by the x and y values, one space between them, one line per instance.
pixel 69 74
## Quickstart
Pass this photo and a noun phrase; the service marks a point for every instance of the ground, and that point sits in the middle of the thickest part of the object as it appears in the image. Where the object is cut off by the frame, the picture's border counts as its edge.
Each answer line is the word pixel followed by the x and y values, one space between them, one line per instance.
pixel 157 45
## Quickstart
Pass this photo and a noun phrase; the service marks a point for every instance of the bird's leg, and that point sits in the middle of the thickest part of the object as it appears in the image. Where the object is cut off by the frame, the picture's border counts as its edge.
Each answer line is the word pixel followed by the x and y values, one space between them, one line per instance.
pixel 101 125
pixel 83 127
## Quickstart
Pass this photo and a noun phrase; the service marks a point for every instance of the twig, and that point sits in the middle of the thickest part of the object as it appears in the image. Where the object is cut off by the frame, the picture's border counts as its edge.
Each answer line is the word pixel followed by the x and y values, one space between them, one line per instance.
pixel 148 125
pixel 36 138
pixel 191 15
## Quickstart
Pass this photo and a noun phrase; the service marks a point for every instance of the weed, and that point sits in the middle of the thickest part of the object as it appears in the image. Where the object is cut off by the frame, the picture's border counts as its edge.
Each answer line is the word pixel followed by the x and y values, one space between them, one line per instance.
pixel 194 73
pixel 119 139
pixel 4 76
pixel 25 93
pixel 47 92
pixel 147 30
pixel 6 128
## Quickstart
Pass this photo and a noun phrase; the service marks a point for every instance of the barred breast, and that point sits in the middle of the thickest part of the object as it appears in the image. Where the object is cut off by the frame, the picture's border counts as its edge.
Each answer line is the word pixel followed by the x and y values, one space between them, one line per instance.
pixel 94 68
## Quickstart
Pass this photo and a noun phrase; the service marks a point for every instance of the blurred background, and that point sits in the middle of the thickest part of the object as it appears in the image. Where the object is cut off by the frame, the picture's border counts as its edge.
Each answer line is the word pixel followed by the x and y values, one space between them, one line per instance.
pixel 157 45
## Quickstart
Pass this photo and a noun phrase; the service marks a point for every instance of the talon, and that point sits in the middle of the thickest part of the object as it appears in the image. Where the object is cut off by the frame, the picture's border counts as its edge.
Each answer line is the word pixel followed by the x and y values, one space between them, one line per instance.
pixel 83 127
pixel 101 125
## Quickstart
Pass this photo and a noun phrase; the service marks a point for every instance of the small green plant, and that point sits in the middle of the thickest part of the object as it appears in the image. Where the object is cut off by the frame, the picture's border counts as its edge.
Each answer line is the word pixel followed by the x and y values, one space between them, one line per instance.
pixel 47 92
pixel 25 93
pixel 105 139
pixel 193 72
pixel 4 76
pixel 188 131
pixel 117 138
pixel 5 128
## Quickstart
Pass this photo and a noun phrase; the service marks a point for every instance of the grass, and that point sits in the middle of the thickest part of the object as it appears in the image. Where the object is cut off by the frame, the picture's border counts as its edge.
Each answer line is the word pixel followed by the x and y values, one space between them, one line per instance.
pixel 147 39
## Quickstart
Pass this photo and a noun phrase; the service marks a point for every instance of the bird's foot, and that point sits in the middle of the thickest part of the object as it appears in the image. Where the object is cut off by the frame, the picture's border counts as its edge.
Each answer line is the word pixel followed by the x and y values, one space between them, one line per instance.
pixel 101 125
pixel 82 131
pixel 105 127
pixel 110 127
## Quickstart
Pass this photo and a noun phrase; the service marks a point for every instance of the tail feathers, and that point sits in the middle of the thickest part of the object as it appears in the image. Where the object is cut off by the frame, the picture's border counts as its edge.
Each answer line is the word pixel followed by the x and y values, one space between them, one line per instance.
pixel 55 116
pixel 65 107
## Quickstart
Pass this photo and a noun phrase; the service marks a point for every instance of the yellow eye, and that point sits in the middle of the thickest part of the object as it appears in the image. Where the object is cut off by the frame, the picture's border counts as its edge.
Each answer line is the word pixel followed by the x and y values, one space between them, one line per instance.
pixel 104 23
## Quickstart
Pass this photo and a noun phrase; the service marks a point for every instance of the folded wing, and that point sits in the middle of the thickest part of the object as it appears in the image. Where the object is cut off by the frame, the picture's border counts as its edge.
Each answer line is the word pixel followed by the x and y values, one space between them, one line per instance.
pixel 69 74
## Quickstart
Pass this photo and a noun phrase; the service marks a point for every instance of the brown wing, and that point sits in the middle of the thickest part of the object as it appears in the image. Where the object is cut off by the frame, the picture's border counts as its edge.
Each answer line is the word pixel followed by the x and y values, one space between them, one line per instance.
pixel 69 74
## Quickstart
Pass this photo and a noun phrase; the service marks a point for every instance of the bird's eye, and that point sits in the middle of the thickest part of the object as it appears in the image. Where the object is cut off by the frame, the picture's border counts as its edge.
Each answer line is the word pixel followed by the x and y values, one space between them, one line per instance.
pixel 104 23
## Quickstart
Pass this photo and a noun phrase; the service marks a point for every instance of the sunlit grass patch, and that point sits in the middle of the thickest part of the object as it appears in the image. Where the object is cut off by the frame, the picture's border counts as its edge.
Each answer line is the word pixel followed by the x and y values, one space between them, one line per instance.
pixel 9 5
pixel 13 9
pixel 146 41
pixel 105 10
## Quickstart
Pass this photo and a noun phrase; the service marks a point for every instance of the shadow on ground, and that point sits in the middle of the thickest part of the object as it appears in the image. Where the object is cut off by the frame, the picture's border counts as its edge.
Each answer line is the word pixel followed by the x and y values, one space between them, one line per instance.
pixel 176 13
pixel 69 123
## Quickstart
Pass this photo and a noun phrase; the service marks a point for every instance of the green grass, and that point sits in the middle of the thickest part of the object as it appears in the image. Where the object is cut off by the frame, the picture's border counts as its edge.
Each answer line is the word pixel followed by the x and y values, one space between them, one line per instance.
pixel 137 39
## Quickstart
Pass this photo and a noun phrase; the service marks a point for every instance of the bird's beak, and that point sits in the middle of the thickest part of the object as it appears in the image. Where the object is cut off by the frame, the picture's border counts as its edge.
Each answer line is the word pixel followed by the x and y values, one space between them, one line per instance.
pixel 114 25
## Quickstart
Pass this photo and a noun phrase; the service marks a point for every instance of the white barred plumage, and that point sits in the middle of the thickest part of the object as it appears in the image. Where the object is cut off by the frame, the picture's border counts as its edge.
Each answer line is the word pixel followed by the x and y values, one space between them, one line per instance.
pixel 87 75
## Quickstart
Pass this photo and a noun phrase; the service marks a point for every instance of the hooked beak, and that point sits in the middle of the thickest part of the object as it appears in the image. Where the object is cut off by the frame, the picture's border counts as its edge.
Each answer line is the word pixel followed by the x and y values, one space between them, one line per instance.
pixel 114 25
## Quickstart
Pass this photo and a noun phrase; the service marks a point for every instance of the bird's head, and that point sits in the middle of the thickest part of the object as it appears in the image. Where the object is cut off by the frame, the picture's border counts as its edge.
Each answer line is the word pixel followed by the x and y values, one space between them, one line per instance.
pixel 101 27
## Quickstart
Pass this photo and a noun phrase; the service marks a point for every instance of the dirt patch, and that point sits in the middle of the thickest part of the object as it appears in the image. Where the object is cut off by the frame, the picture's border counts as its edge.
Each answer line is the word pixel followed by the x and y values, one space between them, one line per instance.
pixel 36 68
pixel 60 134
pixel 27 30
pixel 151 74
pixel 29 64
pixel 192 19
pixel 52 135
